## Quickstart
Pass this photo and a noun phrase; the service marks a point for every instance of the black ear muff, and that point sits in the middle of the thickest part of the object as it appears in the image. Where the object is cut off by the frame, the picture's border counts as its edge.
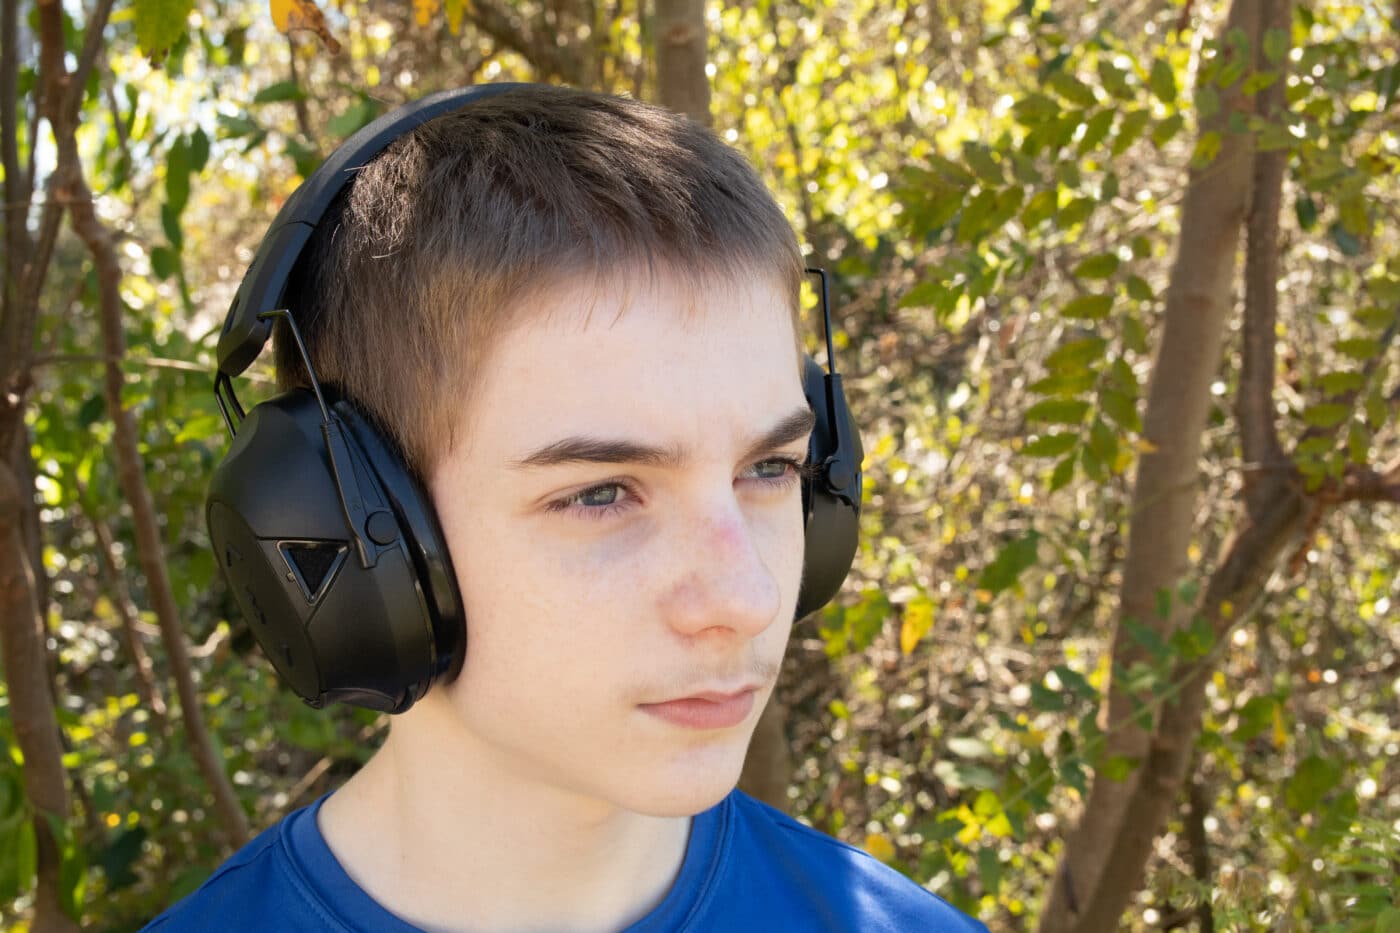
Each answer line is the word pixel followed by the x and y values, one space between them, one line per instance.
pixel 371 622
pixel 831 496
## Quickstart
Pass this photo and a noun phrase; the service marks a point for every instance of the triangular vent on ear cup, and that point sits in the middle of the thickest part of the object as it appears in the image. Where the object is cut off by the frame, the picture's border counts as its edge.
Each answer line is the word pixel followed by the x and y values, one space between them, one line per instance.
pixel 313 564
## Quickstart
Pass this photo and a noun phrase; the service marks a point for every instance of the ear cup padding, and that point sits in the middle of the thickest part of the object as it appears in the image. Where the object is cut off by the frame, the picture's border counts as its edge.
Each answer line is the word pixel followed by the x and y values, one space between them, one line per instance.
pixel 367 636
pixel 832 524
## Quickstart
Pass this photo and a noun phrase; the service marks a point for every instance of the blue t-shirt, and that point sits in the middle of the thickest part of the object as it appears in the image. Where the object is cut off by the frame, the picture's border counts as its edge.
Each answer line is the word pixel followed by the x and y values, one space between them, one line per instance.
pixel 746 867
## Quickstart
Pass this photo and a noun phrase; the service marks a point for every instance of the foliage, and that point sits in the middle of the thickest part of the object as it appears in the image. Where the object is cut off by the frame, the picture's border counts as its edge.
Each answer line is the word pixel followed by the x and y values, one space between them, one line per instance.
pixel 997 186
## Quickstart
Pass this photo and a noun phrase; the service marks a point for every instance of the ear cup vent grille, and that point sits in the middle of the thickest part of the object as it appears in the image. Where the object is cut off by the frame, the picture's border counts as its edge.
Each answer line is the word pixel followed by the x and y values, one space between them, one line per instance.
pixel 313 564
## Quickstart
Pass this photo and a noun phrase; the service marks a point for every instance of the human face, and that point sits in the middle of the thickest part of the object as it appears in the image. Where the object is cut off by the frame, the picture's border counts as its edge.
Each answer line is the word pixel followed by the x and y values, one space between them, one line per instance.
pixel 625 520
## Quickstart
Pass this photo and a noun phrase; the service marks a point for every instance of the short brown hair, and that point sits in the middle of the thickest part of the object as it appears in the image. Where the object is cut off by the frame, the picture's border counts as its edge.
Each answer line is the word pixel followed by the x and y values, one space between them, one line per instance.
pixel 443 239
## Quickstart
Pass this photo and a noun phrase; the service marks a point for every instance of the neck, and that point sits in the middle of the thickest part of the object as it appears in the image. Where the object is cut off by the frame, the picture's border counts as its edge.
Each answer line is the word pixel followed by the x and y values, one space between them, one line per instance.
pixel 444 834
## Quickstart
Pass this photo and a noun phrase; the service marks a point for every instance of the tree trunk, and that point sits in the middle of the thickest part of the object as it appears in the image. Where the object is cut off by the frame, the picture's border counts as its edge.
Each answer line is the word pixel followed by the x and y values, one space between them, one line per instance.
pixel 1198 302
pixel 768 767
pixel 22 634
pixel 681 82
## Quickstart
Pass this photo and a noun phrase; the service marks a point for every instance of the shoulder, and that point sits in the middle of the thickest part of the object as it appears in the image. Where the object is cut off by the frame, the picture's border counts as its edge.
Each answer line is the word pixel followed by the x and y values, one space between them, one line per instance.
pixel 837 885
pixel 258 887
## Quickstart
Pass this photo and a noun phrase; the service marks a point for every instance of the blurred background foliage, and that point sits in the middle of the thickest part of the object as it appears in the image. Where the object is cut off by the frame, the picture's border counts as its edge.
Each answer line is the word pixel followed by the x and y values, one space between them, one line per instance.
pixel 998 186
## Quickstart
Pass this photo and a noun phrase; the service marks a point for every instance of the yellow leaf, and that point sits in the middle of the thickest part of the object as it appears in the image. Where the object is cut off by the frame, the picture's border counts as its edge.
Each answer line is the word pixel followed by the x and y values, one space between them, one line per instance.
pixel 424 10
pixel 1280 735
pixel 918 622
pixel 454 15
pixel 879 845
pixel 1144 446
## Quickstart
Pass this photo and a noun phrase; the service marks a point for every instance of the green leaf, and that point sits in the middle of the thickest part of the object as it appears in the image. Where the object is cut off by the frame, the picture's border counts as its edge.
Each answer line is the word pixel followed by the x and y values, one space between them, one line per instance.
pixel 236 127
pixel 1088 308
pixel 1312 780
pixel 1057 411
pixel 1257 81
pixel 1254 717
pixel 1325 414
pixel 1139 290
pixel 975 215
pixel 1341 382
pixel 1207 148
pixel 1275 45
pixel 1075 212
pixel 170 223
pixel 1097 267
pixel 1072 89
pixel 1077 353
pixel 177 175
pixel 1129 129
pixel 1050 445
pixel 160 23
pixel 979 158
pixel 1165 131
pixel 1040 208
pixel 1306 210
pixel 1062 474
pixel 1163 81
pixel 1359 348
pixel 281 91
pixel 1388 921
pixel 1072 382
pixel 1121 408
pixel 1096 130
pixel 1355 216
pixel 1115 80
pixel 1015 557
pixel 1147 638
pixel 1103 442
pixel 352 118
pixel 92 410
pixel 165 262
pixel 1118 767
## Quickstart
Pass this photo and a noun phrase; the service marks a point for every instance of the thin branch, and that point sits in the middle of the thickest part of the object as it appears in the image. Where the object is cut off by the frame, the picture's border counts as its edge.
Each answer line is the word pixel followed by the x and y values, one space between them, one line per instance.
pixel 127 612
pixel 68 176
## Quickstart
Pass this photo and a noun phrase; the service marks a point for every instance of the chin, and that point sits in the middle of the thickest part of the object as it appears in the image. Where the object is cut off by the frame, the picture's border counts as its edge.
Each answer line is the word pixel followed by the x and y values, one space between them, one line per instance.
pixel 686 786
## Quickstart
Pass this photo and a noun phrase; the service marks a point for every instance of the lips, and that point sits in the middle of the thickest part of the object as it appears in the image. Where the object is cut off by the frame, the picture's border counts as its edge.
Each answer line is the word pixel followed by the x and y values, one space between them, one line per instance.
pixel 705 710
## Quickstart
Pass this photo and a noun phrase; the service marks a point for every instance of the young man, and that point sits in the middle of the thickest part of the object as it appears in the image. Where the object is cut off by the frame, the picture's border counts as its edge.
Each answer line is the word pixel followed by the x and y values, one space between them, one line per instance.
pixel 575 315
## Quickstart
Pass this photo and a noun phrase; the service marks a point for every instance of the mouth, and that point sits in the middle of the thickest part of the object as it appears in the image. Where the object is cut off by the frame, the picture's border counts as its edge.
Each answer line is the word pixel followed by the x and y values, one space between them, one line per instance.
pixel 706 709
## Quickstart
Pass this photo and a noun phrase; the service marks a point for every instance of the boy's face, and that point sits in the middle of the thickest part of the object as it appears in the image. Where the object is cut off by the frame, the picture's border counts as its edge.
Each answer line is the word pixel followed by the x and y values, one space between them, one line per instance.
pixel 625 521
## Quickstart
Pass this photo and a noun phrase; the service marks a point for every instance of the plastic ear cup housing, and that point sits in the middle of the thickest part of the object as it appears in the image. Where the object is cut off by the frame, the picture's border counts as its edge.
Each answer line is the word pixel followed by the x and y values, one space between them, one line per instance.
pixel 335 630
pixel 830 498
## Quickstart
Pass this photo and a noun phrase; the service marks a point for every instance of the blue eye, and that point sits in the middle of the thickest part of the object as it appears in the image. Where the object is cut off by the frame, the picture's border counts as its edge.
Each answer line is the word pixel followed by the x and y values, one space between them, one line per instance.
pixel 608 499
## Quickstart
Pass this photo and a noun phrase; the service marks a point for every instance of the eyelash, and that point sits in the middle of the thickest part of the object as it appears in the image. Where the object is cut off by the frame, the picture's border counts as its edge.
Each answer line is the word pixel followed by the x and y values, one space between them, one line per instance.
pixel 796 470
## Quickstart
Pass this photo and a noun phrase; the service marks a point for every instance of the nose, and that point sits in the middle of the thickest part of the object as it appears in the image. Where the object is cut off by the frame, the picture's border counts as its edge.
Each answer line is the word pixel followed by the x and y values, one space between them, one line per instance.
pixel 721 580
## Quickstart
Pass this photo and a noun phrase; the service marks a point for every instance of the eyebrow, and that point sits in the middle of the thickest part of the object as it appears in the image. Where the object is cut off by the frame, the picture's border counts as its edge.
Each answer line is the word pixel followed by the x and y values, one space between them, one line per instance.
pixel 582 449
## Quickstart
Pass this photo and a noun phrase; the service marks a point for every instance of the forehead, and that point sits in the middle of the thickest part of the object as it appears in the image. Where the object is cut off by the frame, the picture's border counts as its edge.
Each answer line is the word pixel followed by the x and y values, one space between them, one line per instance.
pixel 654 359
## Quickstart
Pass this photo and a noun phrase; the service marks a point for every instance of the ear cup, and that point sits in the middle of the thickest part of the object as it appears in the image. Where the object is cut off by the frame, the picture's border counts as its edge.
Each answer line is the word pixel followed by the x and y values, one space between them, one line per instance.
pixel 423 540
pixel 334 629
pixel 831 497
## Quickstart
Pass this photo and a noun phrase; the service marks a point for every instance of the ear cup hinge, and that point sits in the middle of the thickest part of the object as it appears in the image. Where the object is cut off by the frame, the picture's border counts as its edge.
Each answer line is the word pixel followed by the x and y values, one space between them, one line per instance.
pixel 352 502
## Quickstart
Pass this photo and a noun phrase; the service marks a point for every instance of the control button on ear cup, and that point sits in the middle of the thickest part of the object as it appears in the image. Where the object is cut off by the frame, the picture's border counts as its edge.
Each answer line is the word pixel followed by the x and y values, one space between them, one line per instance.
pixel 381 527
pixel 839 475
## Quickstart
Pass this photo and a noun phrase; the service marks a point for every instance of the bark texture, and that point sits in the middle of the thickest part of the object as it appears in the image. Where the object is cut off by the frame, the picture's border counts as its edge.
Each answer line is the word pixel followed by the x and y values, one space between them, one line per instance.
pixel 681 82
pixel 1198 302
pixel 22 635
pixel 131 476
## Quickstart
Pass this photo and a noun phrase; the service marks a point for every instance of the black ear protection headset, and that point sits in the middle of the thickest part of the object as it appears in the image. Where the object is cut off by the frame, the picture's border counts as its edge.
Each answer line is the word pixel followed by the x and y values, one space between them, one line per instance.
pixel 325 535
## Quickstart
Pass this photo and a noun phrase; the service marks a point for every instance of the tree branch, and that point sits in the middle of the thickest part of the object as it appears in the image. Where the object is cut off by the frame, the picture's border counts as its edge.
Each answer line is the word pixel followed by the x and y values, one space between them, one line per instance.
pixel 68 176
pixel 1254 405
